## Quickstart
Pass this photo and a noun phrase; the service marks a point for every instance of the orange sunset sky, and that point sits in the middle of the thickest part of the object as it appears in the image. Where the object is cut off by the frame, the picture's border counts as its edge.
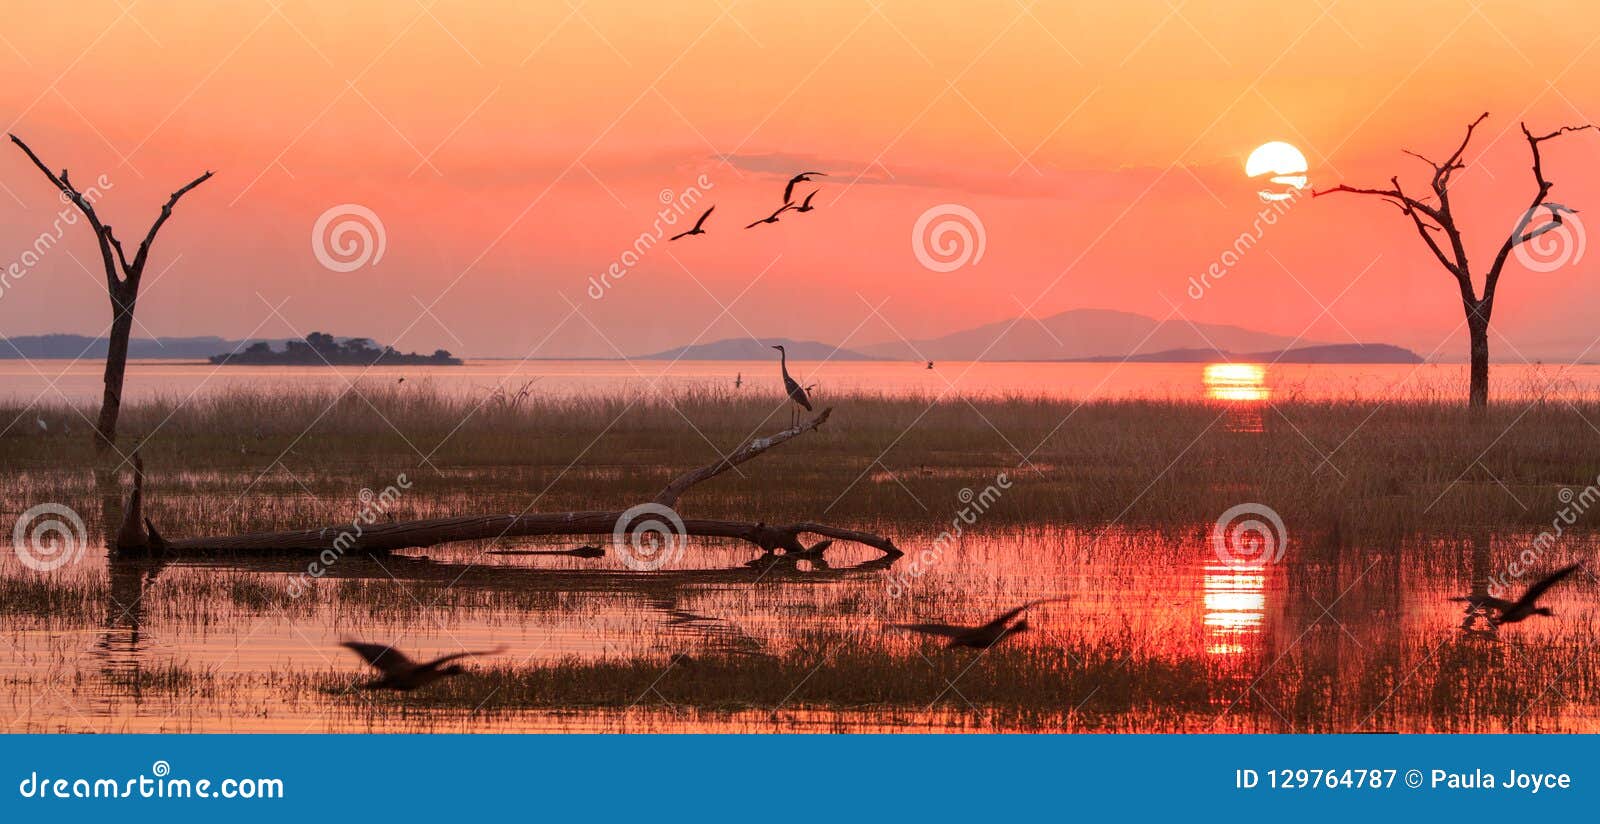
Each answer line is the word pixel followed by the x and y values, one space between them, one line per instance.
pixel 513 150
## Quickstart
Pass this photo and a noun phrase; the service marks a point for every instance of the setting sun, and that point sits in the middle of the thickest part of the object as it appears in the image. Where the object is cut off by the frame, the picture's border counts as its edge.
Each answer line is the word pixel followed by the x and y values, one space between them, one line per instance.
pixel 1285 164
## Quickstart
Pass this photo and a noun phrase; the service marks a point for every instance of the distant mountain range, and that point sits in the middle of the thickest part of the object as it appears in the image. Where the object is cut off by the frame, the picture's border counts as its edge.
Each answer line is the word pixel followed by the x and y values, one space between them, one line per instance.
pixel 204 347
pixel 1080 334
pixel 1075 335
pixel 74 346
pixel 1329 353
pixel 749 349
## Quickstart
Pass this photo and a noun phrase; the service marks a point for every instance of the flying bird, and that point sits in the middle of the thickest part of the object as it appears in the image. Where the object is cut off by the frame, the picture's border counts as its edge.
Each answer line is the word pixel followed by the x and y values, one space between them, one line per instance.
pixel 797 393
pixel 806 206
pixel 1525 607
pixel 772 218
pixel 930 364
pixel 980 637
pixel 803 177
pixel 738 380
pixel 697 224
pixel 402 673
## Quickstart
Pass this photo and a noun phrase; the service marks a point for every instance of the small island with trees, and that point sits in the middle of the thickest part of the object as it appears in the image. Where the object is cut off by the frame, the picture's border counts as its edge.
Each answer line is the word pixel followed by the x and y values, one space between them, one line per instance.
pixel 322 349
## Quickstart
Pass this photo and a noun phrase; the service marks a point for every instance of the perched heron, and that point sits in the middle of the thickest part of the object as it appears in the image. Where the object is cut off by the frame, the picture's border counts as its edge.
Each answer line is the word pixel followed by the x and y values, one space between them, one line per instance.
pixel 803 177
pixel 980 637
pixel 1523 608
pixel 797 393
pixel 402 673
pixel 738 380
pixel 697 224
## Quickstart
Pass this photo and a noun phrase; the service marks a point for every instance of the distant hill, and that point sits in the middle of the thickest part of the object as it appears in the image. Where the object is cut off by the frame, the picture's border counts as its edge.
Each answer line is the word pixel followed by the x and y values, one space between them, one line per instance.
pixel 1331 353
pixel 744 349
pixel 1081 334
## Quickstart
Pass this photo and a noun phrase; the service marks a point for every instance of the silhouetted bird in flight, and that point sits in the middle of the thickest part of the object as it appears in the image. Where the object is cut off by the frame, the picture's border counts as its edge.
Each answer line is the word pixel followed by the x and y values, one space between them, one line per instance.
pixel 806 206
pixel 797 393
pixel 697 224
pixel 402 673
pixel 981 637
pixel 930 364
pixel 738 380
pixel 772 218
pixel 803 177
pixel 1525 607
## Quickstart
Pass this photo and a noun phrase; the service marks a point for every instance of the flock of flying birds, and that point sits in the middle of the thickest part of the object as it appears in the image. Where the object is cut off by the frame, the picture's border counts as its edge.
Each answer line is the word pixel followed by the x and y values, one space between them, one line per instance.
pixel 788 204
pixel 398 672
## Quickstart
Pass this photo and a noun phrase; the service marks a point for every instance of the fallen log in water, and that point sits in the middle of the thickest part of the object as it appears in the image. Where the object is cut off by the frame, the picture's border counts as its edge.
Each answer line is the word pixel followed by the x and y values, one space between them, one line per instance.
pixel 657 517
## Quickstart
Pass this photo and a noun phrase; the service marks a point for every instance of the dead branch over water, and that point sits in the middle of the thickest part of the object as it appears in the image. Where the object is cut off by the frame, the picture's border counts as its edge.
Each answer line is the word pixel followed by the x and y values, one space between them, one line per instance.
pixel 383 538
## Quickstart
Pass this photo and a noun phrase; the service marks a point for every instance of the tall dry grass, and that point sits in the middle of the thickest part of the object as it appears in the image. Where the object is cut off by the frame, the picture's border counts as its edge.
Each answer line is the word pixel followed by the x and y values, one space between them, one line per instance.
pixel 1333 467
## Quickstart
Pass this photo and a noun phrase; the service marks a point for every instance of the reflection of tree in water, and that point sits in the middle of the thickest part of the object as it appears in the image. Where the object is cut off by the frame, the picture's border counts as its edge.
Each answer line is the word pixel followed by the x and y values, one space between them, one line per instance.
pixel 121 640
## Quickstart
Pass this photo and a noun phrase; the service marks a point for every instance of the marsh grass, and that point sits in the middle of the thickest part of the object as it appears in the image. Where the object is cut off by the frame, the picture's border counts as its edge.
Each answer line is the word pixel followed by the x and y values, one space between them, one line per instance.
pixel 1106 499
pixel 250 460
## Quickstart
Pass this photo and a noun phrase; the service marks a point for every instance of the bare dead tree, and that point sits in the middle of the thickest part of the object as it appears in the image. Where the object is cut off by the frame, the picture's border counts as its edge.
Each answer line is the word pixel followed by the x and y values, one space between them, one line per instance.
pixel 122 285
pixel 1436 225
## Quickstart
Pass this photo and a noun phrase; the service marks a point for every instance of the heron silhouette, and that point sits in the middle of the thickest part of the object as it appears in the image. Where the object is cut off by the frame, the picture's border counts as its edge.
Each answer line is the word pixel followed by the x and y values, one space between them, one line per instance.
pixel 803 177
pixel 738 380
pixel 797 393
pixel 772 218
pixel 697 224
pixel 403 674
pixel 979 637
pixel 1523 608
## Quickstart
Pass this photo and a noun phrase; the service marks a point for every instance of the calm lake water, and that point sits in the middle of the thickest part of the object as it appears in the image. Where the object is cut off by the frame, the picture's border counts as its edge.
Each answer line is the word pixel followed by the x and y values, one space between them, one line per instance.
pixel 1358 641
pixel 53 381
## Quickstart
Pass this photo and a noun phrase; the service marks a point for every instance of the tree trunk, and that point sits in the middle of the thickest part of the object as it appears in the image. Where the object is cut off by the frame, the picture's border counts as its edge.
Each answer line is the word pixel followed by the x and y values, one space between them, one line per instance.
pixel 1478 330
pixel 122 303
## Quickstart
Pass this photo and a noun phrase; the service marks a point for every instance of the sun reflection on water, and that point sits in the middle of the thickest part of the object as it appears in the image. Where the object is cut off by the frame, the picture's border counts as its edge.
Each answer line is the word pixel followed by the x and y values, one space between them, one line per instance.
pixel 1236 382
pixel 1236 605
pixel 1242 387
